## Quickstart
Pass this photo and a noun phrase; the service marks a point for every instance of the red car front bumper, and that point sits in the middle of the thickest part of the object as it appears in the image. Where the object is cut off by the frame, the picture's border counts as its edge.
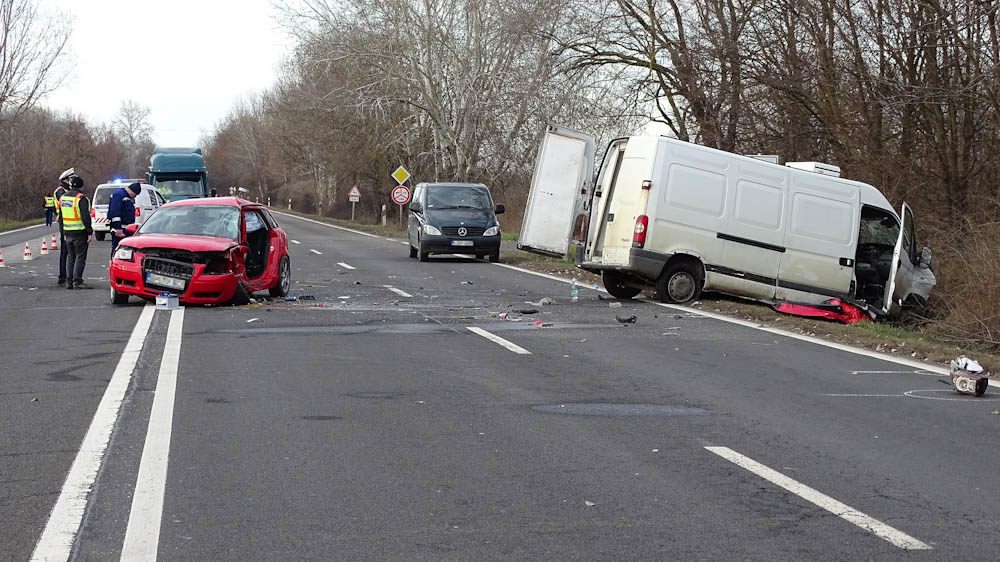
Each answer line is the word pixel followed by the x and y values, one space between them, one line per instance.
pixel 127 277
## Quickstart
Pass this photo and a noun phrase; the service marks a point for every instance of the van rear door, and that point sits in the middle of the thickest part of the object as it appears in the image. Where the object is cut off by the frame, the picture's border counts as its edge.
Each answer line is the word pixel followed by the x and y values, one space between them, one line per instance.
pixel 560 185
pixel 895 271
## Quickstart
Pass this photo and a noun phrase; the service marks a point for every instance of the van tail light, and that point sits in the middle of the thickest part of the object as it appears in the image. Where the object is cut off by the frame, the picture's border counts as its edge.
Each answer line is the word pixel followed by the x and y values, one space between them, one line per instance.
pixel 639 236
pixel 138 211
pixel 93 213
pixel 583 229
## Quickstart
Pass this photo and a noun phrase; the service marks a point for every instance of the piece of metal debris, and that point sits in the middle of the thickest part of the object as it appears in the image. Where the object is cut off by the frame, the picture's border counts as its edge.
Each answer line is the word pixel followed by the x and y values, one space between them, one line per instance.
pixel 253 320
pixel 527 311
pixel 615 305
pixel 542 302
pixel 630 320
pixel 968 376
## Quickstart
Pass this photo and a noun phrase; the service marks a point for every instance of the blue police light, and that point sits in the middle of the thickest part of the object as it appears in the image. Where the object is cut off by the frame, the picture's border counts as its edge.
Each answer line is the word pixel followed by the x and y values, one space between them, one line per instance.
pixel 117 181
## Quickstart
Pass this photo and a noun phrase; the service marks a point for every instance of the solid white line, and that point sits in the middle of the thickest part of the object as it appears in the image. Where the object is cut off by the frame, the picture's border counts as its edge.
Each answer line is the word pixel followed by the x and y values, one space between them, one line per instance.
pixel 498 340
pixel 27 228
pixel 142 535
pixel 325 224
pixel 399 292
pixel 56 541
pixel 317 252
pixel 295 242
pixel 874 526
pixel 345 266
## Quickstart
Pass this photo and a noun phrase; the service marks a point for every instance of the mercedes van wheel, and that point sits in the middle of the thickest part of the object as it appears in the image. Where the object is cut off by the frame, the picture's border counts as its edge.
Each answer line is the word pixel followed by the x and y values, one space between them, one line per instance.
pixel 413 252
pixel 614 282
pixel 680 282
pixel 100 236
pixel 495 257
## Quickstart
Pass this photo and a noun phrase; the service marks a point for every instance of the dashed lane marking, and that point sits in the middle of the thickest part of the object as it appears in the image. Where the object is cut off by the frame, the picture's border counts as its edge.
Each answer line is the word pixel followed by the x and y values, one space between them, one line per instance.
pixel 345 266
pixel 870 524
pixel 498 340
pixel 399 292
pixel 142 535
pixel 317 252
pixel 56 541
pixel 295 242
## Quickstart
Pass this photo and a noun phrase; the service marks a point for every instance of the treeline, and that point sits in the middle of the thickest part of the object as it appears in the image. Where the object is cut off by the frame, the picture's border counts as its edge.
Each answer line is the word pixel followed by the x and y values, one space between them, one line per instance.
pixel 40 144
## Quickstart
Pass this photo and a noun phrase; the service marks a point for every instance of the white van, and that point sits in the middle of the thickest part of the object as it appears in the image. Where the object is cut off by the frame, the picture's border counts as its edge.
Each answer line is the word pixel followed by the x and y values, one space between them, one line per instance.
pixel 148 200
pixel 687 218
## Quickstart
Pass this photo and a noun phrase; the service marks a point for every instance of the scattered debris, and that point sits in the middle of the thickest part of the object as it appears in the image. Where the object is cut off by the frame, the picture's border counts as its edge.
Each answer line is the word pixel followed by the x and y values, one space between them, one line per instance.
pixel 253 301
pixel 615 305
pixel 36 400
pixel 630 320
pixel 542 302
pixel 527 311
pixel 289 299
pixel 968 376
pixel 252 320
pixel 589 503
pixel 604 298
pixel 467 282
pixel 357 282
pixel 345 297
pixel 307 298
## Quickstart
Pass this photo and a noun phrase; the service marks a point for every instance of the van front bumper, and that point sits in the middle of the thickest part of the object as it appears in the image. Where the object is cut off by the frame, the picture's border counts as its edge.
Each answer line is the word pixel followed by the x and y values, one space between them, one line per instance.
pixel 446 244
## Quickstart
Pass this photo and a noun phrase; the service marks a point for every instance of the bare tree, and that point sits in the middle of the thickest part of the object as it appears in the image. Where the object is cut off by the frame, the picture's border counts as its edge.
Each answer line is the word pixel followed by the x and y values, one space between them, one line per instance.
pixel 132 126
pixel 31 44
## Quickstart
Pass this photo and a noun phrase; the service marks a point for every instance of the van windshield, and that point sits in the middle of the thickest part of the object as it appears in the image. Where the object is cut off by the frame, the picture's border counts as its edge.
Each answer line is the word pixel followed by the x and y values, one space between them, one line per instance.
pixel 445 197
pixel 878 227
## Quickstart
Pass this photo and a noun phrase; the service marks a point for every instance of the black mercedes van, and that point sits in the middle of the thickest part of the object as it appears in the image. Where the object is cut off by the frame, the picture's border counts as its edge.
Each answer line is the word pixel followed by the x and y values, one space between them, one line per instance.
pixel 453 218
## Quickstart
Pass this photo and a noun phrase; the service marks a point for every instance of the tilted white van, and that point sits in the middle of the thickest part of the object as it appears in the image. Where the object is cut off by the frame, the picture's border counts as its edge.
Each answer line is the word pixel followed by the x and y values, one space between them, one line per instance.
pixel 687 218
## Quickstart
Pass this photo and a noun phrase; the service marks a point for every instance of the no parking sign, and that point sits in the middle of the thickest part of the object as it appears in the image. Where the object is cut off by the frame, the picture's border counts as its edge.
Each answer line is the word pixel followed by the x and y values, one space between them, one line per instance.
pixel 401 195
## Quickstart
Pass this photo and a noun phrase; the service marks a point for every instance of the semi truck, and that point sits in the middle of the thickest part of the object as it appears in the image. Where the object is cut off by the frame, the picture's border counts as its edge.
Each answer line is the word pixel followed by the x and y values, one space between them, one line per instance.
pixel 178 173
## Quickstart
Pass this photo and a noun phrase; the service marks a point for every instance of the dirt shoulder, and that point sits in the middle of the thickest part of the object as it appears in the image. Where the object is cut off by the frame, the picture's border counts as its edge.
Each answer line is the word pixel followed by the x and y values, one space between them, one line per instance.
pixel 891 338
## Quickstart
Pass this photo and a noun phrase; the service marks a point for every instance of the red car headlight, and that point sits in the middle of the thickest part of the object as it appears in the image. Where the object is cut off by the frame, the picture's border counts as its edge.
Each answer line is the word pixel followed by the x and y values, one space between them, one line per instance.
pixel 124 253
pixel 218 266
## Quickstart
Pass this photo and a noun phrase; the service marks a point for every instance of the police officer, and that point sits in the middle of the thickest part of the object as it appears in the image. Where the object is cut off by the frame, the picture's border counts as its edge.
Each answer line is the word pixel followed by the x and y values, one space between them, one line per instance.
pixel 50 209
pixel 121 212
pixel 56 195
pixel 74 208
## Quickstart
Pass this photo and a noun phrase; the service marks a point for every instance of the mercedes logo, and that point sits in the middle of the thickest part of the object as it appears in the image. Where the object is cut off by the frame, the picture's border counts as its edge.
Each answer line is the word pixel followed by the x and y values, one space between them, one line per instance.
pixel 463 231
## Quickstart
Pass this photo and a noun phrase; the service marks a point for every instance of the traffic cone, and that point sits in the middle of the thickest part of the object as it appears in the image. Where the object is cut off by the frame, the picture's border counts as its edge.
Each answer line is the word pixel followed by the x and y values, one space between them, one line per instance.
pixel 1 258
pixel 45 248
pixel 55 245
pixel 27 252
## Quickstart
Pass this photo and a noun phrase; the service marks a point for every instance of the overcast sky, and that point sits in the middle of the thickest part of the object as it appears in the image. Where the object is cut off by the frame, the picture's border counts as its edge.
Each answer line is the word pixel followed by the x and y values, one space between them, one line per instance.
pixel 187 60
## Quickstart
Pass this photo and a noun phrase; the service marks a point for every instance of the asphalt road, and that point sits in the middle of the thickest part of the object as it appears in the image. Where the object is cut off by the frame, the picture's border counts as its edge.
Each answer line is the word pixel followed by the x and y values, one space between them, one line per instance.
pixel 396 417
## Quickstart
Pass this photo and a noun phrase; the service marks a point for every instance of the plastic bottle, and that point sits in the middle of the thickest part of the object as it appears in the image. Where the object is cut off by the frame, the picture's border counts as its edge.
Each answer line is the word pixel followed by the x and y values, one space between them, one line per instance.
pixel 574 292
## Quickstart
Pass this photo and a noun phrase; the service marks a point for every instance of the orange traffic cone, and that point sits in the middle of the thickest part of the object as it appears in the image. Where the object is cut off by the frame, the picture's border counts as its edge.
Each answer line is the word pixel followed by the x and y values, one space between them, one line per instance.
pixel 55 245
pixel 27 252
pixel 45 248
pixel 1 258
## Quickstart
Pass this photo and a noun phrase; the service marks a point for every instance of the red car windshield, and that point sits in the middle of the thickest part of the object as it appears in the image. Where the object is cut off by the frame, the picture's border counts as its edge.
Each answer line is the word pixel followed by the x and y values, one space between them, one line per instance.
pixel 202 220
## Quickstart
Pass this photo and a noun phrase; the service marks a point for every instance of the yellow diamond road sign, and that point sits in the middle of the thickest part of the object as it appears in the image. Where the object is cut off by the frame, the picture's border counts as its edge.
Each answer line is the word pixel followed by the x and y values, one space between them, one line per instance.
pixel 400 175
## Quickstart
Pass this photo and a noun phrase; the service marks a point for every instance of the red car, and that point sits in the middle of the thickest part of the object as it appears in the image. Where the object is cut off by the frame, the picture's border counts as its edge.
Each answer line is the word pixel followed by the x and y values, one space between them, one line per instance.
pixel 207 251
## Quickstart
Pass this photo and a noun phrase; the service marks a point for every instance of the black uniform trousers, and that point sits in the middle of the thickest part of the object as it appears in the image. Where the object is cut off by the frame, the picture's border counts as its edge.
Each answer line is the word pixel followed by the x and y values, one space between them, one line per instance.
pixel 76 256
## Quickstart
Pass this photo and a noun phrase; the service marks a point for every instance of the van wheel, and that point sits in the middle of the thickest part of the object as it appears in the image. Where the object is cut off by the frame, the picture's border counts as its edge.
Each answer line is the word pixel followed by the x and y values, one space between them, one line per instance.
pixel 680 282
pixel 614 282
pixel 100 236
pixel 495 257
pixel 413 252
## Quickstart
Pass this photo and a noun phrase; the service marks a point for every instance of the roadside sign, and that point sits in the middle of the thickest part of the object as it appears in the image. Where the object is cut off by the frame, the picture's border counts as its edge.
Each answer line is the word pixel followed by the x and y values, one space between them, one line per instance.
pixel 401 195
pixel 401 175
pixel 355 195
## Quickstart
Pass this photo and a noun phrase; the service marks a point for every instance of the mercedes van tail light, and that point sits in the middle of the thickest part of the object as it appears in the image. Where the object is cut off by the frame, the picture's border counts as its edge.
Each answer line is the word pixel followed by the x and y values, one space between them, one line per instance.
pixel 639 236
pixel 138 211
pixel 93 213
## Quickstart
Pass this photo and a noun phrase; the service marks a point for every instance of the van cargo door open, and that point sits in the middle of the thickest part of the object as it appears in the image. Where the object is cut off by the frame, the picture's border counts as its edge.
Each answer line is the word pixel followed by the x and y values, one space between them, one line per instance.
pixel 559 191
pixel 890 285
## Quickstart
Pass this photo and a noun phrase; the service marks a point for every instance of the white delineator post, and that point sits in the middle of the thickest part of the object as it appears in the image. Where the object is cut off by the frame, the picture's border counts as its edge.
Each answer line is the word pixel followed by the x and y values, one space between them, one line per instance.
pixel 55 244
pixel 27 252
pixel 45 247
pixel 1 258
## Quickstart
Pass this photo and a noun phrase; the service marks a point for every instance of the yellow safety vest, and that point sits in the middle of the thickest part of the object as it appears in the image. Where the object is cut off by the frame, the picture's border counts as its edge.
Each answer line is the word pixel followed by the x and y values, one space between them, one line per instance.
pixel 50 202
pixel 71 213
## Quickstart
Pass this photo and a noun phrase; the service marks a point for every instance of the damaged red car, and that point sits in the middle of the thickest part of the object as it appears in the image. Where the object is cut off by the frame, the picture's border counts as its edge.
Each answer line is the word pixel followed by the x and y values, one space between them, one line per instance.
pixel 206 251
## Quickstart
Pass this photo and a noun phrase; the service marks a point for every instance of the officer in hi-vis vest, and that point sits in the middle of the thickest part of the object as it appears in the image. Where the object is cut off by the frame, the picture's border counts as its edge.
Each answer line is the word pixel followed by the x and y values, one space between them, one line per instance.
pixel 74 208
pixel 50 209
pixel 57 195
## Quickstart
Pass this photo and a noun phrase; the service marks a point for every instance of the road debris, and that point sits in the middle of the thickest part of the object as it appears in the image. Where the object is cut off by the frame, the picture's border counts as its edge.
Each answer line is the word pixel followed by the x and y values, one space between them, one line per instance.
pixel 615 305
pixel 542 302
pixel 467 282
pixel 589 503
pixel 289 299
pixel 307 298
pixel 527 311
pixel 630 320
pixel 253 320
pixel 968 376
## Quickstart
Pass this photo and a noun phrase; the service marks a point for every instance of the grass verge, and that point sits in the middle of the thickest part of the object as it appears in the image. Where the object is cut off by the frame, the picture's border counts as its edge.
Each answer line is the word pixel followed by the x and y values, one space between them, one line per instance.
pixel 14 225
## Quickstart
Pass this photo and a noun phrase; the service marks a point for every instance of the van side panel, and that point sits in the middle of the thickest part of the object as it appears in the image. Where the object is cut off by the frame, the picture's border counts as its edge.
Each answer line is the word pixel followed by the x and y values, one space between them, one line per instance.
pixel 821 239
pixel 623 208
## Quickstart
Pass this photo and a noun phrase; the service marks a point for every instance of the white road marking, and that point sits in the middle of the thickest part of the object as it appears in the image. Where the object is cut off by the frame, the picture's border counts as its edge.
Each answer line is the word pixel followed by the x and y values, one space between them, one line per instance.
pixel 325 224
pixel 399 292
pixel 498 340
pixel 317 252
pixel 56 541
pixel 870 524
pixel 295 242
pixel 142 535
pixel 26 228
pixel 345 266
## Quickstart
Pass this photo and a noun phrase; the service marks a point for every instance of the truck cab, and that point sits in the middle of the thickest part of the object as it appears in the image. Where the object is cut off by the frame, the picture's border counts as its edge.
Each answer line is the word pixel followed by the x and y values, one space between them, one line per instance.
pixel 178 173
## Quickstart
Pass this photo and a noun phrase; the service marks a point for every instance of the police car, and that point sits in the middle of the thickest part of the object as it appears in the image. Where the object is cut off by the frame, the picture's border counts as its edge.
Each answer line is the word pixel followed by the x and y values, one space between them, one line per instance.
pixel 148 200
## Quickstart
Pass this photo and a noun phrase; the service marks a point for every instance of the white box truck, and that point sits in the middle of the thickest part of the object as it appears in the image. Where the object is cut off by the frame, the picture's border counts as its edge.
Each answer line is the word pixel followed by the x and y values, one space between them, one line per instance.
pixel 686 218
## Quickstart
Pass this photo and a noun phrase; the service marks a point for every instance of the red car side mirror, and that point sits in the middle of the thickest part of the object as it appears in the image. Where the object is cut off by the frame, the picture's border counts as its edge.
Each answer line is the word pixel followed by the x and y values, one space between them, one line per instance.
pixel 130 229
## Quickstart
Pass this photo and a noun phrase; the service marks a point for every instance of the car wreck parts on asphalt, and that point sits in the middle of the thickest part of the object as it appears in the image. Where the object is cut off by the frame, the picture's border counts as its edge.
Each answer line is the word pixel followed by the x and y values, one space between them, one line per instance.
pixel 205 251
pixel 686 218
pixel 968 376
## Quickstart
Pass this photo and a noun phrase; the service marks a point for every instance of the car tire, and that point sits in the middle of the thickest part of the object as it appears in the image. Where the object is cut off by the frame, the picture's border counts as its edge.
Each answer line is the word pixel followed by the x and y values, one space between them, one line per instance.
pixel 100 236
pixel 413 251
pixel 118 298
pixel 284 279
pixel 614 283
pixel 480 256
pixel 495 257
pixel 680 282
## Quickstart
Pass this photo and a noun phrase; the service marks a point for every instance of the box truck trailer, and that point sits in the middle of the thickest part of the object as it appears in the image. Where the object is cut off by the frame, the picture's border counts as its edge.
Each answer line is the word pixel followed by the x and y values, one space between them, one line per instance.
pixel 686 218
